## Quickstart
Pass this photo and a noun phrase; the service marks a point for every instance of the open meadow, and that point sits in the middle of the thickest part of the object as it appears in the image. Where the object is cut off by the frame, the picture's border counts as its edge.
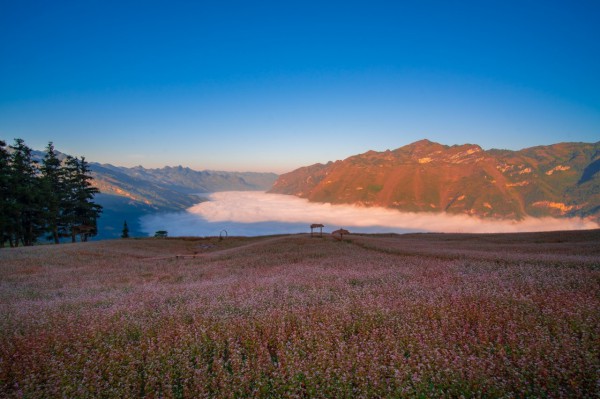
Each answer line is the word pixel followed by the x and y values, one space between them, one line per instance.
pixel 418 315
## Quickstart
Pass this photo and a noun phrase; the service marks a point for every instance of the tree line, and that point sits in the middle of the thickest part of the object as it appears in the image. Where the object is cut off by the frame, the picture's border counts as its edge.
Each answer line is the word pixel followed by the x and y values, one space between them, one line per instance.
pixel 50 199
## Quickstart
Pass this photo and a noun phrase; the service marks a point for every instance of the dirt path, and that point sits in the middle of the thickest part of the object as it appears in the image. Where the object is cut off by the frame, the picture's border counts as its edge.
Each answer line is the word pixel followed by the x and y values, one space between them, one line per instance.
pixel 227 251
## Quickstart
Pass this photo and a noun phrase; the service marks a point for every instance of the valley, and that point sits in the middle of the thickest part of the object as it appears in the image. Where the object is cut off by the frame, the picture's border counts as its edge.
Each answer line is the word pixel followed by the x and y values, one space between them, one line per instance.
pixel 130 193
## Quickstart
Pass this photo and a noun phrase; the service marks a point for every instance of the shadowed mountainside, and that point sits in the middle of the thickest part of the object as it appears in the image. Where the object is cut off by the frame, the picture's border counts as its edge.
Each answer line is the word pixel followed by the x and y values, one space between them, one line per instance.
pixel 128 193
pixel 173 188
pixel 555 180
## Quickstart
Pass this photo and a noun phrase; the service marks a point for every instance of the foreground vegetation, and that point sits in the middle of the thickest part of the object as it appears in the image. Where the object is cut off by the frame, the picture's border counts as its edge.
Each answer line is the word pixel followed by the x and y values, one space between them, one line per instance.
pixel 51 197
pixel 373 316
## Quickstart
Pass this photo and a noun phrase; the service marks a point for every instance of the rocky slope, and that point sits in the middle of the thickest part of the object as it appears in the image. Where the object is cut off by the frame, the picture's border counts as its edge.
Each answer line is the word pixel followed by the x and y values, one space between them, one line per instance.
pixel 556 180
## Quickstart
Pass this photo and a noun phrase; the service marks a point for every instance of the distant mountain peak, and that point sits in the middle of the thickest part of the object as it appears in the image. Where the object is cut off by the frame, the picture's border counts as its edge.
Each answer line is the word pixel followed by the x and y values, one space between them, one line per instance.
pixel 423 143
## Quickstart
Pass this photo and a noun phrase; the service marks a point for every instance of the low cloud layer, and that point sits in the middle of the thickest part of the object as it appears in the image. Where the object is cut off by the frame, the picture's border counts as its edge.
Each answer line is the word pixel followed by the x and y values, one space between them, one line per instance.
pixel 258 213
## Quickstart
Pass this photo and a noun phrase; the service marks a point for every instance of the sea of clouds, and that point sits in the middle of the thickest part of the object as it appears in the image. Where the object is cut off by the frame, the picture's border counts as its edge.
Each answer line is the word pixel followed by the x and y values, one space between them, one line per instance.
pixel 252 213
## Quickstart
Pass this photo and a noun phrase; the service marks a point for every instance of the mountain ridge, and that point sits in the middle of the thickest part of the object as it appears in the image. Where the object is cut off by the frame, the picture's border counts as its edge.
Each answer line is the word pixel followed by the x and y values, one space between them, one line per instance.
pixel 559 180
pixel 173 188
pixel 129 193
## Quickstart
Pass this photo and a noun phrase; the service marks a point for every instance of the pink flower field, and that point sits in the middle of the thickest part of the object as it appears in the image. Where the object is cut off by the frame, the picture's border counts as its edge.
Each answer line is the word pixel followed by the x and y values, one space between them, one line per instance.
pixel 423 315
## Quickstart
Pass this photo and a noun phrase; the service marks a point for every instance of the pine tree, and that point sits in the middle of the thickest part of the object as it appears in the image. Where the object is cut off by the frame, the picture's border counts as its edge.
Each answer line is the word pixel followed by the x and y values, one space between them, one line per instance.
pixel 26 214
pixel 125 233
pixel 5 200
pixel 54 191
pixel 81 213
pixel 51 198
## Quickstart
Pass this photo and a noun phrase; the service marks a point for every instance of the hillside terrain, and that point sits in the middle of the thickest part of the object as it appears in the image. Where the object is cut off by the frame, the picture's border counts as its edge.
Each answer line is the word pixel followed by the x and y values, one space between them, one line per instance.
pixel 560 180
pixel 171 187
pixel 128 193
pixel 386 316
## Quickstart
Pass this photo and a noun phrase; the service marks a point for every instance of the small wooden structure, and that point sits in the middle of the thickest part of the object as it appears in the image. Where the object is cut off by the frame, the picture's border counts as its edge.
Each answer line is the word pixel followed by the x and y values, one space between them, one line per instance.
pixel 223 234
pixel 340 232
pixel 316 226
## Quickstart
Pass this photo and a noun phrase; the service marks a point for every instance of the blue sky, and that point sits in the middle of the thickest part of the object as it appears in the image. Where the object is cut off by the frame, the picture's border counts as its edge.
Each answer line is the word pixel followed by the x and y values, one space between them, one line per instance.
pixel 272 85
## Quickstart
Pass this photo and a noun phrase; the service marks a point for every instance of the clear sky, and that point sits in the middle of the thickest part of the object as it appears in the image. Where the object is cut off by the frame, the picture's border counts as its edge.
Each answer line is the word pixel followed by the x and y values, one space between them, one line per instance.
pixel 274 85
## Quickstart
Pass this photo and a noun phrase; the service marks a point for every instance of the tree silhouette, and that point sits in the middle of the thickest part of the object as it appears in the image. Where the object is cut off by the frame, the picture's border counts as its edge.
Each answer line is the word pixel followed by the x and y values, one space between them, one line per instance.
pixel 52 198
pixel 54 192
pixel 5 200
pixel 26 210
pixel 125 233
pixel 81 212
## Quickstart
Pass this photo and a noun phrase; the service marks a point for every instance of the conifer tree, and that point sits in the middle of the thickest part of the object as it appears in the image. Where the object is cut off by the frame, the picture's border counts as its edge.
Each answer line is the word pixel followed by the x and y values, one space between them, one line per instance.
pixel 5 200
pixel 81 213
pixel 125 233
pixel 52 198
pixel 26 214
pixel 54 192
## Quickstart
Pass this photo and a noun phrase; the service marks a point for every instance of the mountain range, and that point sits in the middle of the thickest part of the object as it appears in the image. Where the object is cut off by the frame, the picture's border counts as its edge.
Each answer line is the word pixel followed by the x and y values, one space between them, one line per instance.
pixel 172 188
pixel 560 180
pixel 128 193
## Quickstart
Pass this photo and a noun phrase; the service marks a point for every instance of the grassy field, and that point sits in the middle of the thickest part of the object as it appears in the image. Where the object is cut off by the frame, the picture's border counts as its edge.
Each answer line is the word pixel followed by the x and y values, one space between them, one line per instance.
pixel 423 315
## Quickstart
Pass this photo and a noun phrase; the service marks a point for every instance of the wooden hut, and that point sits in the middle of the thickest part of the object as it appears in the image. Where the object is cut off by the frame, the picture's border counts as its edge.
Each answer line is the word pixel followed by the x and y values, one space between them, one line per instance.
pixel 340 232
pixel 316 226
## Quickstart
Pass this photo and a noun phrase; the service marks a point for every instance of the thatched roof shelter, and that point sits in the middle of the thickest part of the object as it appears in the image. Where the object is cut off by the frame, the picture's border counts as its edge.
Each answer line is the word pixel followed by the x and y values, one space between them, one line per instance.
pixel 316 226
pixel 340 232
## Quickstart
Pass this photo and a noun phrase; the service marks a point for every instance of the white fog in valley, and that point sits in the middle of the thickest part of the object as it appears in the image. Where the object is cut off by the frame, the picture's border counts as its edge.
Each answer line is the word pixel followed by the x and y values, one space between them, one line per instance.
pixel 253 213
